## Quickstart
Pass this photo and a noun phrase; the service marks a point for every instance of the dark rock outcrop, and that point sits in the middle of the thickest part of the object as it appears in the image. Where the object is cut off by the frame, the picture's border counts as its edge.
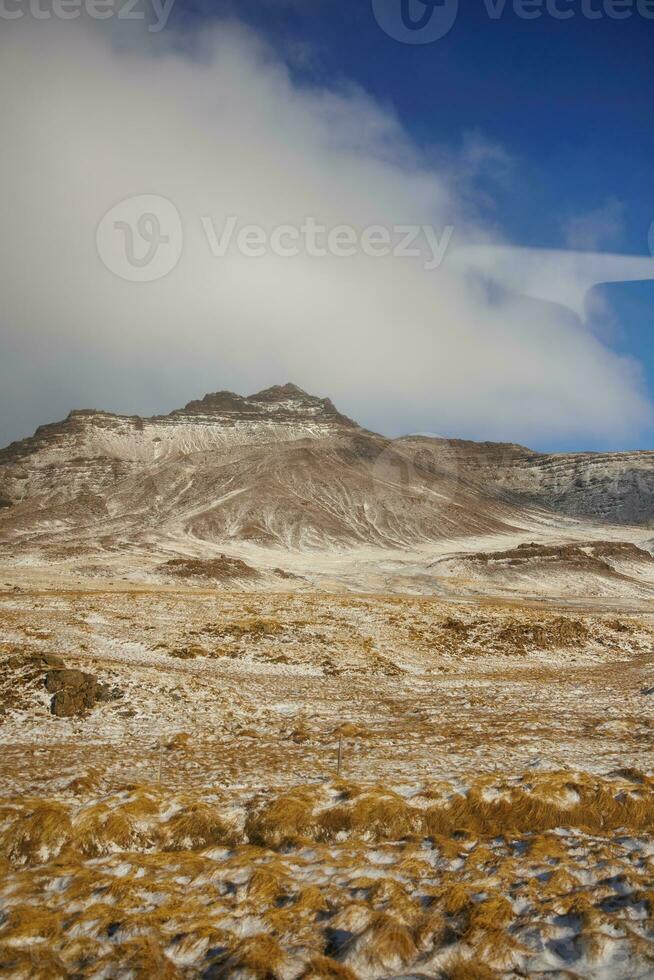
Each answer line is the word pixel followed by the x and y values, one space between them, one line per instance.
pixel 75 692
pixel 220 568
pixel 283 403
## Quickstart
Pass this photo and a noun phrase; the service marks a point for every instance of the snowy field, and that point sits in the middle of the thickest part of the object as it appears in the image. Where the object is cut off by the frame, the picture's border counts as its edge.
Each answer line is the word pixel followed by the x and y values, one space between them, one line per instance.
pixel 491 817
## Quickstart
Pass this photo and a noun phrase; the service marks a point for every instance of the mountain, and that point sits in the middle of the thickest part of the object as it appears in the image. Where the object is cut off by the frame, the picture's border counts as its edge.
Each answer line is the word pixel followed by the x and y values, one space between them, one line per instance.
pixel 280 468
pixel 285 471
pixel 614 487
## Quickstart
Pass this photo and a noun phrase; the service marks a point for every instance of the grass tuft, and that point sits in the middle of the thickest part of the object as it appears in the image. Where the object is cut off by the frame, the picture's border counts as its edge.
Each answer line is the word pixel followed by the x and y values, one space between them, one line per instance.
pixel 198 826
pixel 286 820
pixel 255 958
pixel 38 834
pixel 468 969
pixel 386 944
pixel 325 968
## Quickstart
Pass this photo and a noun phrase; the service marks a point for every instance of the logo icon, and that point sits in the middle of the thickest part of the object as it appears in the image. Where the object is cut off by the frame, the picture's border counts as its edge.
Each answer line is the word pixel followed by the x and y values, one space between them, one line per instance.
pixel 416 21
pixel 416 475
pixel 141 238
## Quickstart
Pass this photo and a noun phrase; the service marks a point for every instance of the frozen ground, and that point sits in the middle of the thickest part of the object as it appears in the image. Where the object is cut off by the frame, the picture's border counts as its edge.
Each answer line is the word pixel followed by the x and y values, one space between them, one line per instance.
pixel 492 816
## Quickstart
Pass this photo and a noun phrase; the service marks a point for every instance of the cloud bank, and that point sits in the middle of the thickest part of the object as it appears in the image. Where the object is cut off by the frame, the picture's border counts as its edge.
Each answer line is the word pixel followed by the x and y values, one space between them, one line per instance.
pixel 217 125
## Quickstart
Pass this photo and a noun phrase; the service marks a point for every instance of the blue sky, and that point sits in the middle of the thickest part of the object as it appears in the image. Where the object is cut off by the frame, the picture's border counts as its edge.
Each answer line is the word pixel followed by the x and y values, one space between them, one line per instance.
pixel 570 103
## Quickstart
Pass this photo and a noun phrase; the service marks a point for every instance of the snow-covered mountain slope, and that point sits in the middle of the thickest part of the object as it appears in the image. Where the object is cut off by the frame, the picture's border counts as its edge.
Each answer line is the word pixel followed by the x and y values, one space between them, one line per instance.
pixel 594 568
pixel 284 470
pixel 614 487
pixel 279 469
pixel 92 449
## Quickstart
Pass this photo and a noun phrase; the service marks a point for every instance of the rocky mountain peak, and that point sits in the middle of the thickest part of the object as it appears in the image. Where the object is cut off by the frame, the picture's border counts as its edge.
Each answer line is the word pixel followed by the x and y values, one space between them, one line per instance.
pixel 285 403
pixel 279 393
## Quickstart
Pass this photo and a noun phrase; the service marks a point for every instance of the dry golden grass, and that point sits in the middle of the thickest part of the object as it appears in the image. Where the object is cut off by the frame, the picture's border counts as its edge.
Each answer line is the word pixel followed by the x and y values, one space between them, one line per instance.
pixel 101 829
pixel 95 919
pixel 301 733
pixel 352 918
pixel 36 963
pixel 215 874
pixel 250 629
pixel 203 936
pixel 495 947
pixel 453 897
pixel 311 901
pixel 84 785
pixel 469 969
pixel 38 833
pixel 376 815
pixel 287 820
pixel 30 923
pixel 431 930
pixel 142 957
pixel 494 912
pixel 345 789
pixel 600 808
pixel 267 885
pixel 560 882
pixel 150 883
pixel 198 826
pixel 385 945
pixel 35 831
pixel 481 857
pixel 547 849
pixel 179 741
pixel 256 958
pixel 325 968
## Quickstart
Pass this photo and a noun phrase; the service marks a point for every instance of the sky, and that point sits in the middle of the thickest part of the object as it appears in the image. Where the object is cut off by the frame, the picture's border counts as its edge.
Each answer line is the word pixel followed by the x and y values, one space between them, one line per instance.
pixel 518 150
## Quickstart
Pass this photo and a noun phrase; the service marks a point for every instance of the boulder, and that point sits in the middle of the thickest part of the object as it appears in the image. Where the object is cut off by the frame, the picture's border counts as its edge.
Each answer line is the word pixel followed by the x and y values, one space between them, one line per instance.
pixel 33 661
pixel 75 692
pixel 73 680
pixel 69 703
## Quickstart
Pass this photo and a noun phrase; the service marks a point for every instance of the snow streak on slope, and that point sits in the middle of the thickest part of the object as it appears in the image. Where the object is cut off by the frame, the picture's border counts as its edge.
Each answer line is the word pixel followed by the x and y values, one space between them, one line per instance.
pixel 614 487
pixel 280 469
pixel 284 471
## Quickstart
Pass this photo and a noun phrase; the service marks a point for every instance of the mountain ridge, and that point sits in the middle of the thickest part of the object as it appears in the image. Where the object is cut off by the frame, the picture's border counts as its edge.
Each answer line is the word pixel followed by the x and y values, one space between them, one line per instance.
pixel 283 469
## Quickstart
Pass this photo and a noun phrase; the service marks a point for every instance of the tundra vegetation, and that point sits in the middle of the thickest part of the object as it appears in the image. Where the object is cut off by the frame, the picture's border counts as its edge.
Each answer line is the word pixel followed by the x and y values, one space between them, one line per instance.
pixel 493 816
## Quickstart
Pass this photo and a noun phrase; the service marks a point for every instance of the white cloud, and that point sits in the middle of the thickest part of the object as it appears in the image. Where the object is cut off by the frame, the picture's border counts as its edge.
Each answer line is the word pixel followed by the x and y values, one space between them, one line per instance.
pixel 551 275
pixel 218 127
